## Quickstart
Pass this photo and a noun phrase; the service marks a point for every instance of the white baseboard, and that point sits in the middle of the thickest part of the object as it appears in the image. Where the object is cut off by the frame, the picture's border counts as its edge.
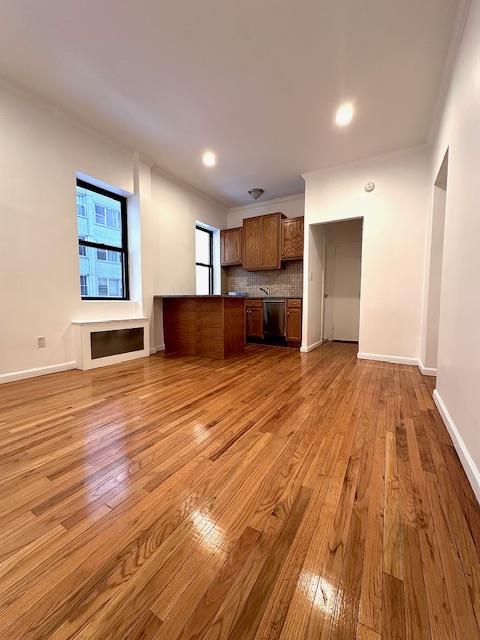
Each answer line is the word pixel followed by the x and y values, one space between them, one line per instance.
pixel 383 358
pixel 38 371
pixel 471 469
pixel 426 371
pixel 311 347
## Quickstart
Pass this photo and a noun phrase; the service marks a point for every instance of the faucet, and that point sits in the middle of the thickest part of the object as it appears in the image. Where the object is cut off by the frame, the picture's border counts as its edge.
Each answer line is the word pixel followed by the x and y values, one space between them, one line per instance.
pixel 267 291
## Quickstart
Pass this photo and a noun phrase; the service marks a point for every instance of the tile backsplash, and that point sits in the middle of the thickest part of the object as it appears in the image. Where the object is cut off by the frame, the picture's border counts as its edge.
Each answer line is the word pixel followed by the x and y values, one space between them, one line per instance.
pixel 287 281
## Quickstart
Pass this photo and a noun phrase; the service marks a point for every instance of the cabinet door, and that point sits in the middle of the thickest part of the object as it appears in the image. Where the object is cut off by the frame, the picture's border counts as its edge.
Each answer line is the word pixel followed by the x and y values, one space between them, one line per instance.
pixel 254 322
pixel 231 246
pixel 294 324
pixel 270 241
pixel 292 239
pixel 252 245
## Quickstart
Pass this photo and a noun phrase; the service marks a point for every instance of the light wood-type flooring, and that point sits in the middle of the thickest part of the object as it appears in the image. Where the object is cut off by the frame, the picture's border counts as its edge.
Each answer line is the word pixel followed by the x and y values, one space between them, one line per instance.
pixel 276 495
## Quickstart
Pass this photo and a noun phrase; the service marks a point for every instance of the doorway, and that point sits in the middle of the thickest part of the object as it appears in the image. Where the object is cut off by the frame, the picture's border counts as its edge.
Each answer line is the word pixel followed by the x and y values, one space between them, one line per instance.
pixel 429 351
pixel 343 260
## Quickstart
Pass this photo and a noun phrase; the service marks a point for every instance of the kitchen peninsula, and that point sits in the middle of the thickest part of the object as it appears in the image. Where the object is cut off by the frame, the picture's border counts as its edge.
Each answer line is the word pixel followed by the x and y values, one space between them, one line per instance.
pixel 208 325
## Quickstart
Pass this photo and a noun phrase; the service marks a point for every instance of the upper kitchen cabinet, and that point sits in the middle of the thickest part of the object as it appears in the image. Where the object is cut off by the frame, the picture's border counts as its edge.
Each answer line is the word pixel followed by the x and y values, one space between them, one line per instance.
pixel 261 242
pixel 292 238
pixel 231 247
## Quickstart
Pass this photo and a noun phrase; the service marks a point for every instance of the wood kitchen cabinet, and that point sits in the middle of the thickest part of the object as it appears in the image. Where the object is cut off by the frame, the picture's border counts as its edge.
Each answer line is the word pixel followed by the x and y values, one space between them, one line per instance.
pixel 292 238
pixel 261 242
pixel 254 318
pixel 231 247
pixel 294 320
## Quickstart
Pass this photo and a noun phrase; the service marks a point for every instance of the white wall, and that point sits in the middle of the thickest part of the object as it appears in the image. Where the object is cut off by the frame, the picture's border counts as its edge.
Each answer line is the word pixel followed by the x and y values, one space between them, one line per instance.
pixel 291 206
pixel 458 381
pixel 41 152
pixel 393 255
pixel 175 210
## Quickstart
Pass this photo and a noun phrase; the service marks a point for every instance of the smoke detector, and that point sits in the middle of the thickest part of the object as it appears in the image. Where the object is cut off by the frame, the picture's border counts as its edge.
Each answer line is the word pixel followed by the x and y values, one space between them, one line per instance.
pixel 256 193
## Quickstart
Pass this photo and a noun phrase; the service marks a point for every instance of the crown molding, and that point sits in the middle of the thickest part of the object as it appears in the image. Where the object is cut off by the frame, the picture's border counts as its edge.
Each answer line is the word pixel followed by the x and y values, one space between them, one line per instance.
pixel 371 158
pixel 275 201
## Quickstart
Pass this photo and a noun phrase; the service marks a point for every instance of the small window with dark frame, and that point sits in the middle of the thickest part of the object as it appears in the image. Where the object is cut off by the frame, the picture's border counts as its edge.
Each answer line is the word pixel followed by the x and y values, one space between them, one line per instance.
pixel 102 243
pixel 204 260
pixel 83 286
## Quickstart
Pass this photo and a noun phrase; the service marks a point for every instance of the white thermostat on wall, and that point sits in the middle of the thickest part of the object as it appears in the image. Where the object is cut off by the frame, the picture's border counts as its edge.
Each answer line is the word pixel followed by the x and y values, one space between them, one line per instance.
pixel 370 186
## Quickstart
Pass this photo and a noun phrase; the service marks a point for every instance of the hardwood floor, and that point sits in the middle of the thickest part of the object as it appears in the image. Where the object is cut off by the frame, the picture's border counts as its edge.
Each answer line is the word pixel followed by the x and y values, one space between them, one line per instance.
pixel 275 495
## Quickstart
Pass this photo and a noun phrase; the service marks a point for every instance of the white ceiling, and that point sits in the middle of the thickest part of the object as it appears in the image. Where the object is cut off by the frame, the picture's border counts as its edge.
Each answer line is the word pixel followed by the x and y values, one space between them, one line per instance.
pixel 257 81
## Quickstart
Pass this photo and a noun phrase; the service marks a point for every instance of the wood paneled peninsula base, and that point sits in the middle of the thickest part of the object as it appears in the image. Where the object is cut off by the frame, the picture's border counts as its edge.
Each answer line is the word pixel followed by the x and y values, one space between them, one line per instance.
pixel 211 326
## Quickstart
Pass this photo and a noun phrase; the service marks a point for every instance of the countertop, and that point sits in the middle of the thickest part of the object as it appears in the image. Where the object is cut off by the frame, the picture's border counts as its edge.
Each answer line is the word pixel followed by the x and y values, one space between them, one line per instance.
pixel 191 295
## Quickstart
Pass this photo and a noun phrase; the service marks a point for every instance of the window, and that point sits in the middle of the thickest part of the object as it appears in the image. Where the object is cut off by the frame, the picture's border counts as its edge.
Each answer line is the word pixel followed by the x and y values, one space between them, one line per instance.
pixel 106 217
pixel 102 287
pixel 81 210
pixel 108 287
pixel 83 286
pixel 204 260
pixel 102 226
pixel 110 256
pixel 113 287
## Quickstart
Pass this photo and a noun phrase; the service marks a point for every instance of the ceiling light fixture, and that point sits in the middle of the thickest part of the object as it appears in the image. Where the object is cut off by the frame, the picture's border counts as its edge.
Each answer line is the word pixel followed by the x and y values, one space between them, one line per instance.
pixel 256 193
pixel 209 159
pixel 344 114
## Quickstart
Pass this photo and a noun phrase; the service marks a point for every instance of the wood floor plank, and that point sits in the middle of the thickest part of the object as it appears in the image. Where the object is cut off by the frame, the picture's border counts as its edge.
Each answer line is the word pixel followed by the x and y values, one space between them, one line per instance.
pixel 365 633
pixel 393 544
pixel 393 620
pixel 274 495
pixel 417 621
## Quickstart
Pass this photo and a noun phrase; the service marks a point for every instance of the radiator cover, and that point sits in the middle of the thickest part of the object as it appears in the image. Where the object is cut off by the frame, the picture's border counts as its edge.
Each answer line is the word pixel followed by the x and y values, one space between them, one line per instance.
pixel 116 341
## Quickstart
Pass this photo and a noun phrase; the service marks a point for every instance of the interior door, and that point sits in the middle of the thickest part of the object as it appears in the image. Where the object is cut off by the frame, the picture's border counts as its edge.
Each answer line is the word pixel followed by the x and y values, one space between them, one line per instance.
pixel 344 295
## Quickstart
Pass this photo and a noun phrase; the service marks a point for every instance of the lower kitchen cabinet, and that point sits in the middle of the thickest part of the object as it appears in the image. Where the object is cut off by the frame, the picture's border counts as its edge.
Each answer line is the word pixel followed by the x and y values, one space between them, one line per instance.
pixel 294 320
pixel 254 318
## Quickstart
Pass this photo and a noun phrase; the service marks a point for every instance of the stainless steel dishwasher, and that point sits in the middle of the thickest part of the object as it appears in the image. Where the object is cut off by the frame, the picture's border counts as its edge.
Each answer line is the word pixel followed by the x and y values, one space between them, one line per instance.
pixel 274 320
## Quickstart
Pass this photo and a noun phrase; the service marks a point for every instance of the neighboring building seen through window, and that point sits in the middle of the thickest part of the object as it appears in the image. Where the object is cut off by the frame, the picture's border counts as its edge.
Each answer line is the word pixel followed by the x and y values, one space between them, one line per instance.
pixel 204 260
pixel 102 243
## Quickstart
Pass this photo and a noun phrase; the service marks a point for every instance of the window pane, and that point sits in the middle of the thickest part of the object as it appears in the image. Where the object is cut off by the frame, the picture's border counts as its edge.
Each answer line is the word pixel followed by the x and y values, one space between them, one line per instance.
pixel 105 276
pixel 114 287
pixel 102 220
pixel 202 246
pixel 112 218
pixel 113 256
pixel 99 214
pixel 102 287
pixel 101 254
pixel 83 286
pixel 203 280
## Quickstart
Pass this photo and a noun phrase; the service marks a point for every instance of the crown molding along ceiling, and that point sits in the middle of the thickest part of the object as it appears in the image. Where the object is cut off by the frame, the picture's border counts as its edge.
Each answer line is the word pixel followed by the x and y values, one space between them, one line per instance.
pixel 176 79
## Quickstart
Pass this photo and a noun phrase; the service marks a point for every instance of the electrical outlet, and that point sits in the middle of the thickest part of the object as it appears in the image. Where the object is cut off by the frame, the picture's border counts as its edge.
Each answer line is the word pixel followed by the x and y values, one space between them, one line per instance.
pixel 41 341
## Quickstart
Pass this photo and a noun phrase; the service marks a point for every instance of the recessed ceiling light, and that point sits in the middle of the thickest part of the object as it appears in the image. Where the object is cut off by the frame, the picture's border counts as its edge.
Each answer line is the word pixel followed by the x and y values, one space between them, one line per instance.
pixel 209 159
pixel 344 114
